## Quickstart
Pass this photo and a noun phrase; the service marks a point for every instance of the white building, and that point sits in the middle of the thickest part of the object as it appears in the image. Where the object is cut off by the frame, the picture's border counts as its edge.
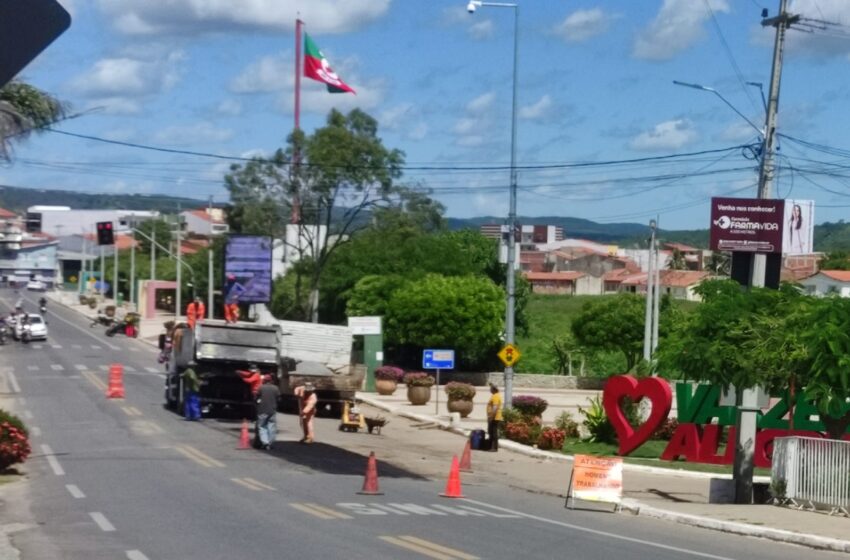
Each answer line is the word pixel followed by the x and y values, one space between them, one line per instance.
pixel 300 241
pixel 63 220
pixel 205 221
pixel 828 282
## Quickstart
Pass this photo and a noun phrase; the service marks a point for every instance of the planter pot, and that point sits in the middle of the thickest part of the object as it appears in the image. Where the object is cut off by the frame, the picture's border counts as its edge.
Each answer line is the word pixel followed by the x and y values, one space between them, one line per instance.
pixel 418 395
pixel 385 386
pixel 463 407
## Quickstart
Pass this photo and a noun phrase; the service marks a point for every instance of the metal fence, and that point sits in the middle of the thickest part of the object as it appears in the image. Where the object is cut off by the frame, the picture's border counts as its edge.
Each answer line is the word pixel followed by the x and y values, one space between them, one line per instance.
pixel 812 473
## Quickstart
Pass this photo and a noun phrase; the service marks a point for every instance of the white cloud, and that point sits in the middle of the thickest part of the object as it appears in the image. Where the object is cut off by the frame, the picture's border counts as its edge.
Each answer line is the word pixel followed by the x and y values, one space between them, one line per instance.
pixel 271 73
pixel 316 99
pixel 669 135
pixel 738 132
pixel 188 134
pixel 405 119
pixel 483 29
pixel 187 17
pixel 537 110
pixel 481 103
pixel 229 107
pixel 465 126
pixel 677 26
pixel 831 41
pixel 119 85
pixel 581 25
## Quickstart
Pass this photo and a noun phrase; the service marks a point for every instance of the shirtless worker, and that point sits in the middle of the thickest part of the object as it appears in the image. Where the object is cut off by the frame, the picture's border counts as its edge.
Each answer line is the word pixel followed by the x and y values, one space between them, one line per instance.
pixel 307 401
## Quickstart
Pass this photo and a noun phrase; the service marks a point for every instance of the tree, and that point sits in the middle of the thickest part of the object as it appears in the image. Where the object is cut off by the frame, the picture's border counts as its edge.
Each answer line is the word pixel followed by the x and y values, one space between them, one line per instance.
pixel 835 260
pixel 677 261
pixel 613 324
pixel 719 263
pixel 465 313
pixel 162 235
pixel 24 109
pixel 327 180
pixel 372 295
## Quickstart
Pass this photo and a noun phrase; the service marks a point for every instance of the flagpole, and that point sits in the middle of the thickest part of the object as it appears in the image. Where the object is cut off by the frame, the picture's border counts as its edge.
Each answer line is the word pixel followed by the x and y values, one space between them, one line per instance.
pixel 298 24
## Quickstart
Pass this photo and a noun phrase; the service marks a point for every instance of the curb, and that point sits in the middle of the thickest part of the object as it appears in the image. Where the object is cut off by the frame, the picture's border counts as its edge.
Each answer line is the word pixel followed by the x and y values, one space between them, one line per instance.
pixel 538 453
pixel 744 529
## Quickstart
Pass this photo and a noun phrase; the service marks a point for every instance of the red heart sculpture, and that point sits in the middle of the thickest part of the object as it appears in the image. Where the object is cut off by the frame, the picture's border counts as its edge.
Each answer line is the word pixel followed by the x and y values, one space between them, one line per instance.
pixel 619 387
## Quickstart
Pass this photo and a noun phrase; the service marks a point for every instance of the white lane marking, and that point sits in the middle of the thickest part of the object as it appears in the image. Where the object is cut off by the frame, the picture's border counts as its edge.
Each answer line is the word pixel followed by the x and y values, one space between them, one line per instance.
pixel 52 460
pixel 75 491
pixel 13 381
pixel 32 368
pixel 102 521
pixel 95 347
pixel 56 346
pixel 36 346
pixel 103 367
pixel 35 431
pixel 57 367
pixel 81 367
pixel 136 555
pixel 601 533
pixel 150 369
pixel 28 415
pixel 129 368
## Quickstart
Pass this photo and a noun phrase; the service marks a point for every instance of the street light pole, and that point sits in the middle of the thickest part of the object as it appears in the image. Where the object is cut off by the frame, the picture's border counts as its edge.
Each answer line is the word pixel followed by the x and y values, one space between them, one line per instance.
pixel 132 266
pixel 650 294
pixel 210 263
pixel 510 309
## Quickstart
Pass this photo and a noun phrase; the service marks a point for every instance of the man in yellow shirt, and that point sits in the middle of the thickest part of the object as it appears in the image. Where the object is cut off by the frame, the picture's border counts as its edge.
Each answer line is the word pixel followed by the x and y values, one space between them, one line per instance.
pixel 494 417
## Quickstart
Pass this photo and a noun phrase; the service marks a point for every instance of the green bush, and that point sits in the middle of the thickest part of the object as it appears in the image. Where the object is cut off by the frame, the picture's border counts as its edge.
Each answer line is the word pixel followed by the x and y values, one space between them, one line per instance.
pixel 551 438
pixel 458 391
pixel 566 423
pixel 596 422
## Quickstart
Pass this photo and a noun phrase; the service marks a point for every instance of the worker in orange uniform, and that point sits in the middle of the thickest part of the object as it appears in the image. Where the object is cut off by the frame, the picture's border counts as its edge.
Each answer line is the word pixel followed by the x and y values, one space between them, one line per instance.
pixel 232 291
pixel 195 311
pixel 252 377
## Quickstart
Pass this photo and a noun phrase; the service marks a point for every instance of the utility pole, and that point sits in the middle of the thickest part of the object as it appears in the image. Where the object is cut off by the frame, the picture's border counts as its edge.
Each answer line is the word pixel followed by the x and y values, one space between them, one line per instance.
pixel 657 296
pixel 178 296
pixel 650 294
pixel 747 399
pixel 102 270
pixel 153 252
pixel 210 263
pixel 132 266
pixel 115 271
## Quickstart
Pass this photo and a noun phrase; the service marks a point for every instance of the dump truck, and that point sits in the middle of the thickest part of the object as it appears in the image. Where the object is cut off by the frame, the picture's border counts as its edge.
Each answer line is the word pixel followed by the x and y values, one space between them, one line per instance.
pixel 218 349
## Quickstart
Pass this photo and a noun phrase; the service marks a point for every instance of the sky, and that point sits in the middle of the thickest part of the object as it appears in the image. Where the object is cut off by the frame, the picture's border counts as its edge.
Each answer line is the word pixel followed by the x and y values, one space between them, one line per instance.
pixel 603 133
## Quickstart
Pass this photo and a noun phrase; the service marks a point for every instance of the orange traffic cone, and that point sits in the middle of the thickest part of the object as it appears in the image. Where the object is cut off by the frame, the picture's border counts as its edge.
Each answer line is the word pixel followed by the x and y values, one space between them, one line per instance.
pixel 370 482
pixel 453 484
pixel 466 458
pixel 115 390
pixel 244 437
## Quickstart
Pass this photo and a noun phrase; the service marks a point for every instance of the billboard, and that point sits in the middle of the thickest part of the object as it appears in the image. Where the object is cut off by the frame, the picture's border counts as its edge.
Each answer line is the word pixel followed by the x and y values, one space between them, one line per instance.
pixel 799 227
pixel 248 269
pixel 750 225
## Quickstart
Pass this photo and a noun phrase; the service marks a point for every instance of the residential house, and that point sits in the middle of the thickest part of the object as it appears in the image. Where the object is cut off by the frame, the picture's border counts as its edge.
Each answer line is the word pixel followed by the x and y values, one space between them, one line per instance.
pixel 564 283
pixel 205 221
pixel 678 284
pixel 828 282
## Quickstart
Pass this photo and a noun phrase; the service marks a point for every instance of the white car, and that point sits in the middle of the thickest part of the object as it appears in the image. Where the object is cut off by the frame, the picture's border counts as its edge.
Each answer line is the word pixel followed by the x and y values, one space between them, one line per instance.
pixel 37 326
pixel 36 286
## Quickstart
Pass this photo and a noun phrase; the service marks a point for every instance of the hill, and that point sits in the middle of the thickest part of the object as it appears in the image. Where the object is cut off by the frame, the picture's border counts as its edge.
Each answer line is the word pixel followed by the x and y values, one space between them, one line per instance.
pixel 18 199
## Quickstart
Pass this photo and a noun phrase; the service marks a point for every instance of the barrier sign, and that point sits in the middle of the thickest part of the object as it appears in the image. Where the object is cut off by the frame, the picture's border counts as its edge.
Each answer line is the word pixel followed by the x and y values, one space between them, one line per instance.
pixel 596 479
pixel 509 355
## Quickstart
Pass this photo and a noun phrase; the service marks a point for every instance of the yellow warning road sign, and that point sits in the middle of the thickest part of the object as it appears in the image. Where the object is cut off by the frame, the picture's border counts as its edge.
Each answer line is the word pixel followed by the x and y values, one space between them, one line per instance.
pixel 509 355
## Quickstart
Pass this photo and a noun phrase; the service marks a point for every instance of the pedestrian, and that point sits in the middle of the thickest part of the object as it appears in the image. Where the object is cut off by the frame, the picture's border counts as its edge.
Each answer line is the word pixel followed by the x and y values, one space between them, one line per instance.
pixel 307 401
pixel 252 377
pixel 195 311
pixel 494 417
pixel 191 393
pixel 267 398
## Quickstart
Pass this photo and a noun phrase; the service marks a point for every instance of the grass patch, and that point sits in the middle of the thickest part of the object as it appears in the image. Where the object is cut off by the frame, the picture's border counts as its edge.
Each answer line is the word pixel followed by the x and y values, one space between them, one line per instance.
pixel 647 454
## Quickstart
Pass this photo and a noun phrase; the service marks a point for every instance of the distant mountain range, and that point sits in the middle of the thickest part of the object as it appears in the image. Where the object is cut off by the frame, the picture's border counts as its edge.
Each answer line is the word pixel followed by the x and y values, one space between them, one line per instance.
pixel 828 236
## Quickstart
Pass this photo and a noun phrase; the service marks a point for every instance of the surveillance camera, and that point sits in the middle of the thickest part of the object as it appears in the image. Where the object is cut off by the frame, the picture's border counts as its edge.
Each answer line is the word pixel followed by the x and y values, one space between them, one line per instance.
pixel 471 7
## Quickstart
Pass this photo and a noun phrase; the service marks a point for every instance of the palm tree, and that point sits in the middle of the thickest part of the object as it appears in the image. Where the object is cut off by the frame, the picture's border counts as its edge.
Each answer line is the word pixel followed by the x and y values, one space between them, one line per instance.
pixel 677 261
pixel 23 109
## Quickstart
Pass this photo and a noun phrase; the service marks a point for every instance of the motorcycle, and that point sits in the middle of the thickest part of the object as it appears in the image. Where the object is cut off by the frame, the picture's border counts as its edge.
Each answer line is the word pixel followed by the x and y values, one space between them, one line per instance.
pixel 43 309
pixel 127 329
pixel 3 335
pixel 26 333
pixel 101 319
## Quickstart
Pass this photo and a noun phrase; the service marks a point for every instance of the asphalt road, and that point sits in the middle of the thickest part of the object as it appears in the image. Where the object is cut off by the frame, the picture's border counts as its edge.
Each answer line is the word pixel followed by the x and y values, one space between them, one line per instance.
pixel 127 479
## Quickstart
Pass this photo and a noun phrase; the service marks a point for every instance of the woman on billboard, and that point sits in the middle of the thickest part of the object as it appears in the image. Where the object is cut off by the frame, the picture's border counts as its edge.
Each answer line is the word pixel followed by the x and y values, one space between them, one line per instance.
pixel 796 231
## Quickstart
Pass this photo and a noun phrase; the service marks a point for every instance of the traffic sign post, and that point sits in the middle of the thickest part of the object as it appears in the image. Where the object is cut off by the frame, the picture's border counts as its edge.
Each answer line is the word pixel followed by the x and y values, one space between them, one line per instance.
pixel 509 355
pixel 438 359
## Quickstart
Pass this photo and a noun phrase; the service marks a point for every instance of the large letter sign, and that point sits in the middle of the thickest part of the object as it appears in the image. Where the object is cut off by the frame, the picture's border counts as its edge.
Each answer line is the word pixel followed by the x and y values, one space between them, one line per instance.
pixel 702 420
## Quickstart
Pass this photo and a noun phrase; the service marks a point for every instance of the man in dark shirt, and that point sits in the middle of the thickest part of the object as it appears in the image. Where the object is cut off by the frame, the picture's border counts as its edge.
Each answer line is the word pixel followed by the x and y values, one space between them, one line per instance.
pixel 267 398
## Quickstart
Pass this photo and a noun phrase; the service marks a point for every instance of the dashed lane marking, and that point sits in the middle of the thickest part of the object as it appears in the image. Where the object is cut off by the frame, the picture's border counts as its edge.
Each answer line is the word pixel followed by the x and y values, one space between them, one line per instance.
pixel 103 367
pixel 52 460
pixel 129 368
pixel 57 367
pixel 95 380
pixel 145 427
pixel 150 369
pixel 197 456
pixel 13 383
pixel 75 491
pixel 428 548
pixel 81 367
pixel 131 411
pixel 95 347
pixel 246 484
pixel 36 346
pixel 319 511
pixel 56 346
pixel 136 555
pixel 404 509
pixel 102 521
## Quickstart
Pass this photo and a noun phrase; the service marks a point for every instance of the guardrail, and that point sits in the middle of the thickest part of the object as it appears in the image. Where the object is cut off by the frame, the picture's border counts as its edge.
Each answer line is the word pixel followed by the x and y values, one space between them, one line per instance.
pixel 812 473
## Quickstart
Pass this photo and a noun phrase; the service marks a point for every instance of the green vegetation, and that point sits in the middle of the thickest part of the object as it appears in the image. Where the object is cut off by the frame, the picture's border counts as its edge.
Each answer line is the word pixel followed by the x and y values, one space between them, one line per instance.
pixel 25 109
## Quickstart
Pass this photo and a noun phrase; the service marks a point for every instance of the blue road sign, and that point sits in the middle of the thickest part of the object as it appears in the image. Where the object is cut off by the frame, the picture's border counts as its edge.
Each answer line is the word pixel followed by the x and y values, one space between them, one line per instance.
pixel 438 359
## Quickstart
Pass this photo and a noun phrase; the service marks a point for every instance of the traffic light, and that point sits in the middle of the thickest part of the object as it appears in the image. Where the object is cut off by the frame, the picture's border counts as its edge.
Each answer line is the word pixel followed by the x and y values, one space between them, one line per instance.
pixel 105 235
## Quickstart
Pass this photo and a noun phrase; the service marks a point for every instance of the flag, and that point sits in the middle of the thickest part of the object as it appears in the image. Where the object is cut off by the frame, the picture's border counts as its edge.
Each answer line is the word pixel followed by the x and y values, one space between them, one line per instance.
pixel 316 67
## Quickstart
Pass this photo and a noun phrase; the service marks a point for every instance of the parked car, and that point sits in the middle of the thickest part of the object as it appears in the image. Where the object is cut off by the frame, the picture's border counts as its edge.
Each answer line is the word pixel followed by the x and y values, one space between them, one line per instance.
pixel 37 327
pixel 36 286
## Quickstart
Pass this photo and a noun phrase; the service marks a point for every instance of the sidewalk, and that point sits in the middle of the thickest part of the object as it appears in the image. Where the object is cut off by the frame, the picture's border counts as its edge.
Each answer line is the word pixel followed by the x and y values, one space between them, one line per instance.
pixel 669 494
